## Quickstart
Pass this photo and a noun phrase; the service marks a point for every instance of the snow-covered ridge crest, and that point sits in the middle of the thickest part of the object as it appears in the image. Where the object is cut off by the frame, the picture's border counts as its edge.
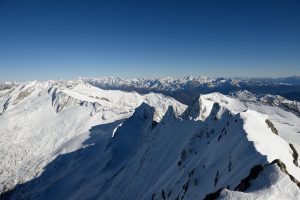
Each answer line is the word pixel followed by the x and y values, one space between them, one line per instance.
pixel 219 151
pixel 267 99
pixel 70 93
pixel 83 94
pixel 17 93
pixel 261 146
pixel 179 155
pixel 205 104
pixel 61 100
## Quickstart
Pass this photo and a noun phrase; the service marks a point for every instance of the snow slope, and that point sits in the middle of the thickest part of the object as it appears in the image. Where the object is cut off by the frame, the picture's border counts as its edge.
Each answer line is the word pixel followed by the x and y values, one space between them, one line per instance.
pixel 39 119
pixel 220 147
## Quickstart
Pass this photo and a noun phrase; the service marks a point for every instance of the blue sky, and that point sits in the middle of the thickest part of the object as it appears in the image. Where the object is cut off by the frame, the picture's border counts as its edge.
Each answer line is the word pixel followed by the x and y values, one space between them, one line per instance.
pixel 148 38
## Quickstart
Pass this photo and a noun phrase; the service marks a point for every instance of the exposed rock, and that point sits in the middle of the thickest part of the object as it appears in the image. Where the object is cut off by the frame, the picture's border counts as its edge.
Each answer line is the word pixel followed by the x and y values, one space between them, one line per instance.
pixel 295 155
pixel 271 126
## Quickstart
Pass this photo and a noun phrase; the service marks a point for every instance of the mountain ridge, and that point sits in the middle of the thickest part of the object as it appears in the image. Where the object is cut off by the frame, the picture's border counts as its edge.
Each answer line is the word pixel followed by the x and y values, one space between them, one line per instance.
pixel 192 156
pixel 56 143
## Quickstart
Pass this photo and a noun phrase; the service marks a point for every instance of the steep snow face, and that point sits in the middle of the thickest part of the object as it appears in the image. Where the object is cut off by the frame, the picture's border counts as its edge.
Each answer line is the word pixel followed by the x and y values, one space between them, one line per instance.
pixel 40 120
pixel 128 137
pixel 230 153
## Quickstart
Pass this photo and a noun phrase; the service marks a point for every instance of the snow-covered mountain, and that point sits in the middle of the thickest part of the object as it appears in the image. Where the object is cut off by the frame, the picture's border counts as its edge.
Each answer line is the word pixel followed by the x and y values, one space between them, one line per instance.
pixel 71 140
pixel 38 118
pixel 172 84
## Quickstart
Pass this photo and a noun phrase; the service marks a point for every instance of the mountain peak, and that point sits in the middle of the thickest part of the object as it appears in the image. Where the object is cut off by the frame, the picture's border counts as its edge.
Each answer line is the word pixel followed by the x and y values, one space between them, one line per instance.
pixel 128 137
pixel 194 110
pixel 144 112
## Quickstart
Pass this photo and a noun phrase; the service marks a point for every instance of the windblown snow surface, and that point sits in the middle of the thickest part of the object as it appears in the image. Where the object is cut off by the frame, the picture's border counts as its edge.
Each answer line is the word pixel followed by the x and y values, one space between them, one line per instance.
pixel 70 140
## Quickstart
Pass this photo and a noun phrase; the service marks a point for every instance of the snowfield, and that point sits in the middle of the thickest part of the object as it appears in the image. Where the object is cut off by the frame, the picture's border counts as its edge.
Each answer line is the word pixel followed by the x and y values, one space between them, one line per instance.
pixel 71 140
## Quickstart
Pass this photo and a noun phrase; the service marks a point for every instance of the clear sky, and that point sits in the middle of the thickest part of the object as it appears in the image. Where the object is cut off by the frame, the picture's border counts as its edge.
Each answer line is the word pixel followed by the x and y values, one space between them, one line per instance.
pixel 53 39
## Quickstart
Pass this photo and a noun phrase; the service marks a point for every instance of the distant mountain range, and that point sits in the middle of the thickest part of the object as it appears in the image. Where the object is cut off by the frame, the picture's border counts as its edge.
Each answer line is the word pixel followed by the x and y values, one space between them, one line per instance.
pixel 187 89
